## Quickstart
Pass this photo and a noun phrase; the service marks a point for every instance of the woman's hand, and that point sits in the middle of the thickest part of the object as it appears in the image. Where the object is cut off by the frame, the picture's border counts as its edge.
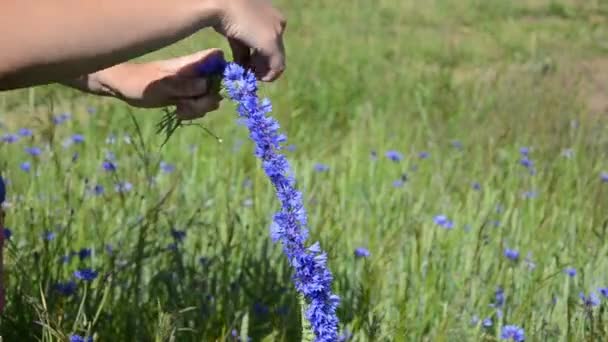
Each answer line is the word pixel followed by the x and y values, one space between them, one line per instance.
pixel 159 84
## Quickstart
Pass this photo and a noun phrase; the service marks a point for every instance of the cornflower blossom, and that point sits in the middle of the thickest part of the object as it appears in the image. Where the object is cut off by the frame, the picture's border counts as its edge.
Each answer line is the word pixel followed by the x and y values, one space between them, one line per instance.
pixel 511 254
pixel 512 332
pixel 311 276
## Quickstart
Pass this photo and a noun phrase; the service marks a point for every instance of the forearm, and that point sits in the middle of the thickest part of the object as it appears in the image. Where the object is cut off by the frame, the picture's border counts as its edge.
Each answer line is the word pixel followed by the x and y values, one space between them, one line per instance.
pixel 49 41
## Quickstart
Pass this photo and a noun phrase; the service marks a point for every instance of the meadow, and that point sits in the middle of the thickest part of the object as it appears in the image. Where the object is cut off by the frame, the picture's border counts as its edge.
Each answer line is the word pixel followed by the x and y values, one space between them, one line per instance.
pixel 453 160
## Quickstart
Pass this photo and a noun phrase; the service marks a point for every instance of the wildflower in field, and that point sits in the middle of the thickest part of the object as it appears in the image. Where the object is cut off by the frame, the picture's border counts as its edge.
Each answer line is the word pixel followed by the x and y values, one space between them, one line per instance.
pixel 166 167
pixel 362 252
pixel 604 177
pixel 91 110
pixel 499 296
pixel 530 194
pixel 25 132
pixel 394 155
pixel 524 151
pixel 7 233
pixel 26 166
pixel 589 301
pixel 321 167
pixel 10 138
pixel 457 144
pixel 487 322
pixel 423 155
pixel 476 186
pixel 33 151
pixel 570 271
pixel 77 138
pixel 511 254
pixel 61 118
pixel 78 338
pixel 49 236
pixel 291 148
pixel 398 183
pixel 512 332
pixel 67 288
pixel 526 162
pixel 109 166
pixel 123 187
pixel 443 221
pixel 84 253
pixel 85 274
pixel 98 189
pixel 178 235
pixel 603 291
pixel 312 277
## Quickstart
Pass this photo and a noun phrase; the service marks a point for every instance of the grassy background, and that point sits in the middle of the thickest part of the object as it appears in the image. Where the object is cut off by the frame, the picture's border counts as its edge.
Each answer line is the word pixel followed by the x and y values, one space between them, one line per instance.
pixel 468 81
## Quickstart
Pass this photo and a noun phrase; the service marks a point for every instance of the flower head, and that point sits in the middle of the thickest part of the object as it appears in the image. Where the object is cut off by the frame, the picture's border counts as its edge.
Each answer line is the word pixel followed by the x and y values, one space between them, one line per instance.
pixel 362 252
pixel 512 332
pixel 604 177
pixel 319 167
pixel 85 274
pixel 61 118
pixel 33 151
pixel 10 138
pixel 603 291
pixel 570 271
pixel 25 132
pixel 166 167
pixel 443 221
pixel 394 155
pixel 78 338
pixel 511 254
pixel 26 166
pixel 589 301
pixel 67 288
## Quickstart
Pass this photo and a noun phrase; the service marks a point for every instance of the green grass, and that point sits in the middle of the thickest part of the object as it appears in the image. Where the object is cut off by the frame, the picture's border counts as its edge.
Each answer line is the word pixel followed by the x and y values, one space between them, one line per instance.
pixel 362 76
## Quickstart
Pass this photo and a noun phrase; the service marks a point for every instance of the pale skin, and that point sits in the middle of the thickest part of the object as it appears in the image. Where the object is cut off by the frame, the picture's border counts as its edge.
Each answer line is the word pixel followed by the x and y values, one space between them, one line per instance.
pixel 87 45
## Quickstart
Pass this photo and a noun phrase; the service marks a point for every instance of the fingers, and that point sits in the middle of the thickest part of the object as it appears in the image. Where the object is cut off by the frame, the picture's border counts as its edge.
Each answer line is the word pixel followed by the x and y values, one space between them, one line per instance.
pixel 183 87
pixel 240 52
pixel 190 109
pixel 194 64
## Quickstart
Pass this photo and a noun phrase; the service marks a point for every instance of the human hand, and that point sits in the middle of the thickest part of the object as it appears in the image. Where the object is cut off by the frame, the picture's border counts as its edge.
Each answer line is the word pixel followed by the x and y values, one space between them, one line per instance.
pixel 255 33
pixel 163 83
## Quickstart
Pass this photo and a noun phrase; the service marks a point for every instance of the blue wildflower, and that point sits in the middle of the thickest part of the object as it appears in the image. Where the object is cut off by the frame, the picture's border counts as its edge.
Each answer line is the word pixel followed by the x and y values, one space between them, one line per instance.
pixel 178 235
pixel 77 138
pixel 570 271
pixel 512 332
pixel 291 148
pixel 476 186
pixel 98 189
pixel 524 151
pixel 2 190
pixel 61 118
pixel 398 183
pixel 603 291
pixel 604 177
pixel 511 254
pixel 109 166
pixel 530 194
pixel 85 274
pixel 123 187
pixel 589 301
pixel 311 277
pixel 7 233
pixel 321 167
pixel 457 144
pixel 443 221
pixel 33 151
pixel 84 253
pixel 499 295
pixel 67 288
pixel 362 252
pixel 487 322
pixel 49 236
pixel 26 166
pixel 10 138
pixel 423 155
pixel 166 167
pixel 526 162
pixel 78 338
pixel 25 132
pixel 394 155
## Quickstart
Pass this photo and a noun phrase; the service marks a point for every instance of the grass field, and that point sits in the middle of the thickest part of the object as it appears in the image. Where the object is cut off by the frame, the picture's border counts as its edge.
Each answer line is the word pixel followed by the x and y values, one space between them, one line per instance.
pixel 497 107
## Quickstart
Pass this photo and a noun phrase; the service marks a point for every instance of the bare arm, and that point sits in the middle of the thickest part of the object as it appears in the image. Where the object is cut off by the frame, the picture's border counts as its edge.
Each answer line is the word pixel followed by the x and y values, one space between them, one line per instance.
pixel 46 41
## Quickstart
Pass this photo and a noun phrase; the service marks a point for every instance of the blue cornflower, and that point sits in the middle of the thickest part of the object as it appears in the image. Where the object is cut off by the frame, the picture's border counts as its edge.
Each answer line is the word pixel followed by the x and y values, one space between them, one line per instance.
pixel 423 155
pixel 443 221
pixel 512 332
pixel 487 322
pixel 77 138
pixel 98 189
pixel 321 167
pixel 178 235
pixel 166 167
pixel 524 151
pixel 398 183
pixel 499 295
pixel 33 151
pixel 66 289
pixel 85 274
pixel 511 254
pixel 526 162
pixel 311 277
pixel 603 291
pixel 7 233
pixel 123 187
pixel 530 194
pixel 604 177
pixel 61 118
pixel 570 271
pixel 109 166
pixel 476 186
pixel 84 253
pixel 457 144
pixel 25 132
pixel 78 338
pixel 394 155
pixel 26 166
pixel 362 252
pixel 291 148
pixel 2 190
pixel 49 236
pixel 10 138
pixel 589 301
